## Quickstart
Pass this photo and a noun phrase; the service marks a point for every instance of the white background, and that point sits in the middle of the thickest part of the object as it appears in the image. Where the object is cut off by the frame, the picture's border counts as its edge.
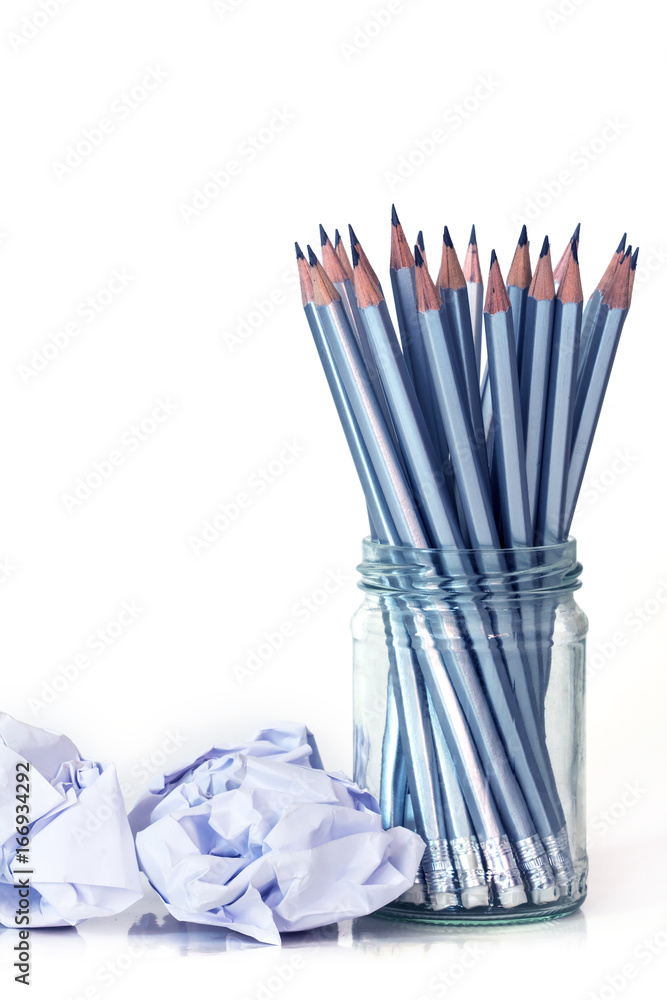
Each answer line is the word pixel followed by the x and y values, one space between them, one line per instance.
pixel 552 82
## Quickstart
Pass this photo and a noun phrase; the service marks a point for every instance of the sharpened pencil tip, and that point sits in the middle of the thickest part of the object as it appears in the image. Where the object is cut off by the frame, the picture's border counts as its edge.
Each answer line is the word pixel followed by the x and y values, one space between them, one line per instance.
pixel 323 236
pixel 353 235
pixel 419 260
pixel 473 236
pixel 575 234
pixel 336 239
pixel 299 252
pixel 355 255
pixel 628 252
pixel 494 258
pixel 545 247
pixel 420 240
pixel 446 238
pixel 312 258
pixel 633 260
pixel 394 216
pixel 523 238
pixel 621 246
pixel 573 247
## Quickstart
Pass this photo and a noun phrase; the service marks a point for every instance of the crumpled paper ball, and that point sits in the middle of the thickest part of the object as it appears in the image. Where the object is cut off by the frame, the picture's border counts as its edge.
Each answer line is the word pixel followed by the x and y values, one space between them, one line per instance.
pixel 256 839
pixel 81 853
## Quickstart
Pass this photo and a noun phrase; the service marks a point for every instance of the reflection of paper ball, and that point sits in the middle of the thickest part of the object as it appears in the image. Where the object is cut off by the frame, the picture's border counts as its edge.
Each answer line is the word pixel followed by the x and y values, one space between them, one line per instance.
pixel 81 852
pixel 255 839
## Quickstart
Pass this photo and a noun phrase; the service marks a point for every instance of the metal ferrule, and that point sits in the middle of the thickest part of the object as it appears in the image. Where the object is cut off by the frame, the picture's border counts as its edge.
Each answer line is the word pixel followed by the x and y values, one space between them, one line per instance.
pixel 468 863
pixel 533 862
pixel 560 859
pixel 500 863
pixel 438 868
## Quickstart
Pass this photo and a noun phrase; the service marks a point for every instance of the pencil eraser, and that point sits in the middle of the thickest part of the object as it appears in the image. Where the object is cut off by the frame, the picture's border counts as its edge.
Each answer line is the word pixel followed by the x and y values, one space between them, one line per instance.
pixel 512 897
pixel 476 896
pixel 542 896
pixel 442 900
pixel 414 895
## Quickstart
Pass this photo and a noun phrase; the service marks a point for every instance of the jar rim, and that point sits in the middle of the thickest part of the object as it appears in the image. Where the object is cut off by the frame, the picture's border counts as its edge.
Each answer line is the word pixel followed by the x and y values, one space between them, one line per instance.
pixel 568 547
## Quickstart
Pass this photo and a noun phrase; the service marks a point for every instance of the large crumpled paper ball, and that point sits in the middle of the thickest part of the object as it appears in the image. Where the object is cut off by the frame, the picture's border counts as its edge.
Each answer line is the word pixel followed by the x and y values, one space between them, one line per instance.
pixel 81 853
pixel 257 839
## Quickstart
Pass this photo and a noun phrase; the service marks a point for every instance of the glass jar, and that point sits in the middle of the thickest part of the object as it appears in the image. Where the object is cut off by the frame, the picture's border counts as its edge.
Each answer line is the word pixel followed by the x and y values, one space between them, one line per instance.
pixel 469 725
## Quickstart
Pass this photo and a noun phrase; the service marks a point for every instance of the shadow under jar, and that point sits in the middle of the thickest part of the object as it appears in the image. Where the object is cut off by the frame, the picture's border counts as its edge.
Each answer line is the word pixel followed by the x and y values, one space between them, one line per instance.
pixel 469 725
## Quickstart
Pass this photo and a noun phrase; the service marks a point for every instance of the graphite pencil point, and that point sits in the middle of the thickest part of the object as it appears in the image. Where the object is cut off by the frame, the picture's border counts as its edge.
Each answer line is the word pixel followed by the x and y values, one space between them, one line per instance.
pixel 323 236
pixel 299 252
pixel 420 240
pixel 312 258
pixel 575 234
pixel 621 246
pixel 545 247
pixel 394 216
pixel 446 238
pixel 355 254
pixel 494 257
pixel 473 236
pixel 575 254
pixel 523 238
pixel 353 235
pixel 633 259
pixel 419 260
pixel 336 239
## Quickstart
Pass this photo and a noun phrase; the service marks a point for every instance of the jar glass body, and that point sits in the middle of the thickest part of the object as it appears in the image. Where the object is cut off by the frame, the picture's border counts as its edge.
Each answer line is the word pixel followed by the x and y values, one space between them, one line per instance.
pixel 469 725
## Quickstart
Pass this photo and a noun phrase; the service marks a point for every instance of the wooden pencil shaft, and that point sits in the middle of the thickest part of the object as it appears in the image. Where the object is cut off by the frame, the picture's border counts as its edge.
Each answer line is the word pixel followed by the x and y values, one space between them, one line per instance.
pixel 534 386
pixel 417 739
pixel 518 300
pixel 475 292
pixel 508 430
pixel 433 500
pixel 372 426
pixel 588 404
pixel 382 525
pixel 458 315
pixel 452 400
pixel 551 527
pixel 403 286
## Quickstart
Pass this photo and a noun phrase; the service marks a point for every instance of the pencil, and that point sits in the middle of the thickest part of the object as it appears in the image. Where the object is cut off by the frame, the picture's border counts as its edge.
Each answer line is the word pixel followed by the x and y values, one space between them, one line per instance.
pixel 551 525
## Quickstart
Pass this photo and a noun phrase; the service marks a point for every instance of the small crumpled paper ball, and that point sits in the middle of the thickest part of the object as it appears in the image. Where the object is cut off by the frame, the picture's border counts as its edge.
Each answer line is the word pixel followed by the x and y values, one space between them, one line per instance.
pixel 80 855
pixel 256 839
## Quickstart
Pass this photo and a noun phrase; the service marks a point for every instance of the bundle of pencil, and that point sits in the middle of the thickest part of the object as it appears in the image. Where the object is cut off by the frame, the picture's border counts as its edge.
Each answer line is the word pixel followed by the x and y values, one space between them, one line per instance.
pixel 450 462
